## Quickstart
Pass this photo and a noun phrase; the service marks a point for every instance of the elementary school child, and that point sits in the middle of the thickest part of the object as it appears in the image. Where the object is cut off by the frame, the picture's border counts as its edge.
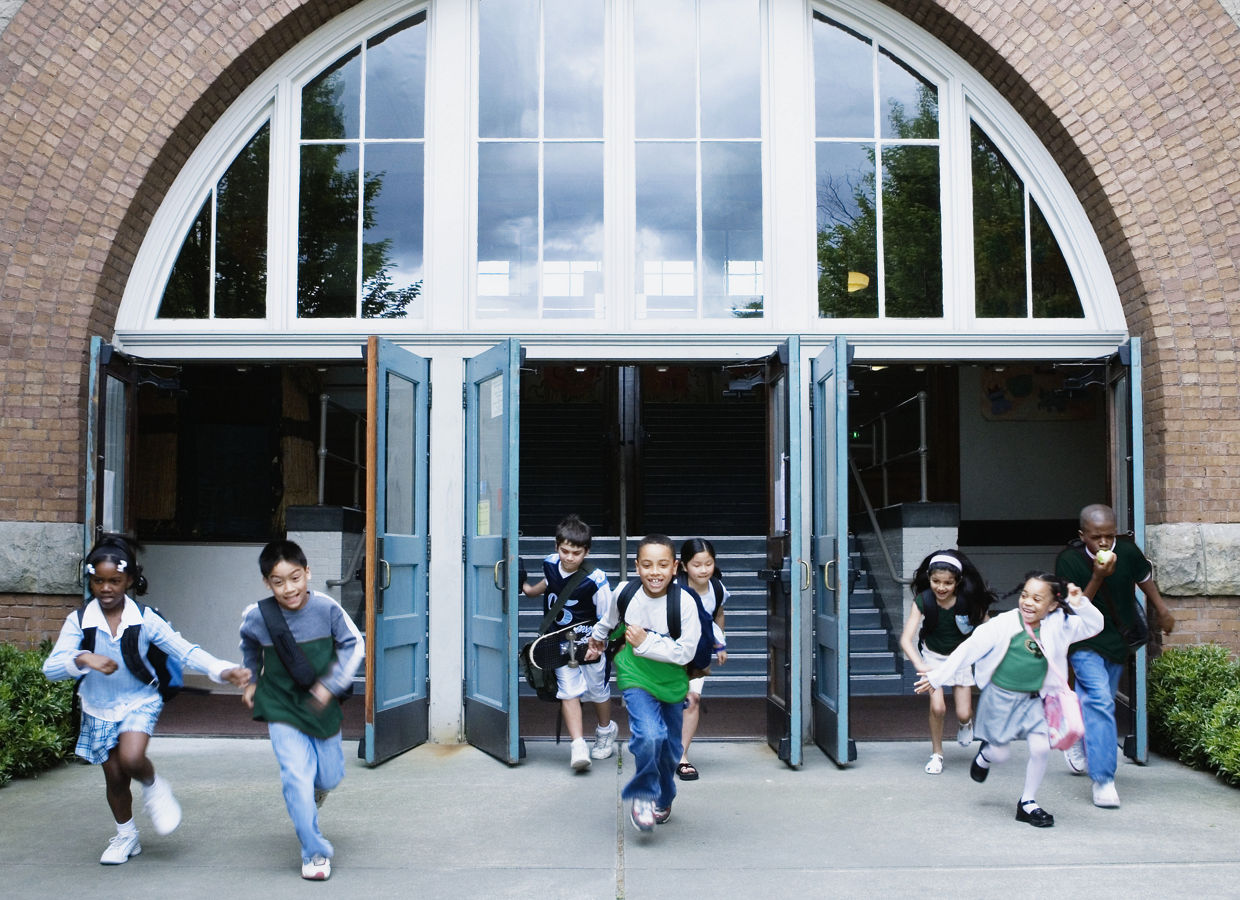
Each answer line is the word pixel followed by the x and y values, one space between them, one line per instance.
pixel 303 722
pixel 588 599
pixel 651 674
pixel 699 572
pixel 949 601
pixel 120 708
pixel 1019 656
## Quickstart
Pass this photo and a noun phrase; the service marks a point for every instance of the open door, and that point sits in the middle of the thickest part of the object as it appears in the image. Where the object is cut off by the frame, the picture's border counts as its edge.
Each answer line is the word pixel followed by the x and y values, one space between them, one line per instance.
pixel 785 573
pixel 397 441
pixel 492 385
pixel 1128 500
pixel 110 427
pixel 829 685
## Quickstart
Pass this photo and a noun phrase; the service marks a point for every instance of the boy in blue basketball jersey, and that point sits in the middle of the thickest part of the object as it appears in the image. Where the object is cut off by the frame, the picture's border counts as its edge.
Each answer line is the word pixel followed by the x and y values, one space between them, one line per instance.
pixel 588 602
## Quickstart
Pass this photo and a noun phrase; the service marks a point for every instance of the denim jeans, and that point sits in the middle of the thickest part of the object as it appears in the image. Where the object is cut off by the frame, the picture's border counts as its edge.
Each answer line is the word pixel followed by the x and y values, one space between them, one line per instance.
pixel 654 727
pixel 306 763
pixel 1097 680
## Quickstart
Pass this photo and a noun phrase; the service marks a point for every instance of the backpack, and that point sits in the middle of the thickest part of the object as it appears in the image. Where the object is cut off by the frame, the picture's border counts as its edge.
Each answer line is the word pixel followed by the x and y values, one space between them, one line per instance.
pixel 700 664
pixel 540 673
pixel 169 676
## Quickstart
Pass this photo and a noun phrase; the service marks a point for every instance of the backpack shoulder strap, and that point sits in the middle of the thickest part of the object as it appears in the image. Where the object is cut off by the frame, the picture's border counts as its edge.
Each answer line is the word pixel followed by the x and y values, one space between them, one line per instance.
pixel 286 647
pixel 625 597
pixel 88 633
pixel 561 598
pixel 673 613
pixel 131 652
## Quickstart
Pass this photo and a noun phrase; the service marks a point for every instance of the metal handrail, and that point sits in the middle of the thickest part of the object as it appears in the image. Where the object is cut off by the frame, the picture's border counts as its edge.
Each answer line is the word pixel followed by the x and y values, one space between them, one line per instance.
pixel 878 532
pixel 356 463
pixel 882 461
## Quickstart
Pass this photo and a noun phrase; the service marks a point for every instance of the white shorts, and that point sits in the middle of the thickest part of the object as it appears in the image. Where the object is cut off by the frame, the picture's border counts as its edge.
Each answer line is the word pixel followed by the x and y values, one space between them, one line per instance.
pixel 963 678
pixel 586 682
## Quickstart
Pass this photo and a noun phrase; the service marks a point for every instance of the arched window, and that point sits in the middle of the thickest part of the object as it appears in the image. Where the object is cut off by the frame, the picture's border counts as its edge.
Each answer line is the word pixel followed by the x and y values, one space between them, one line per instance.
pixel 617 167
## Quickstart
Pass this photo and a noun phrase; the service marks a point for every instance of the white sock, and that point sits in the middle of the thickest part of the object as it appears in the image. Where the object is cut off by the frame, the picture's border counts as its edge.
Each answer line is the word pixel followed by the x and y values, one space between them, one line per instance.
pixel 125 829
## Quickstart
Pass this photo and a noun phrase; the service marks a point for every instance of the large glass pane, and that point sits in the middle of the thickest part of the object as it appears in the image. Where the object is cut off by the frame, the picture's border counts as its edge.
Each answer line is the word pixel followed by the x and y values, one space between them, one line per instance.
pixel 399 471
pixel 491 465
pixel 573 105
pixel 241 233
pixel 910 104
pixel 731 80
pixel 508 229
pixel 1054 291
pixel 731 230
pixel 573 230
pixel 116 417
pixel 998 232
pixel 508 69
pixel 331 102
pixel 665 68
pixel 912 232
pixel 392 237
pixel 187 295
pixel 847 231
pixel 666 229
pixel 327 231
pixel 396 81
pixel 843 81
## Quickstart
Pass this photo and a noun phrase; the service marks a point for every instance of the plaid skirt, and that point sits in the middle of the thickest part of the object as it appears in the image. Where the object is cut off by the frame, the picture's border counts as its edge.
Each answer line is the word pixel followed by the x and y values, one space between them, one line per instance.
pixel 97 737
pixel 1004 716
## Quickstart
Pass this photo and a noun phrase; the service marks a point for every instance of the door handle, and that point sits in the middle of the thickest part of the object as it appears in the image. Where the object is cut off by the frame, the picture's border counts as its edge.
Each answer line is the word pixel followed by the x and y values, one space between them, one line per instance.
pixel 826 575
pixel 804 574
pixel 495 575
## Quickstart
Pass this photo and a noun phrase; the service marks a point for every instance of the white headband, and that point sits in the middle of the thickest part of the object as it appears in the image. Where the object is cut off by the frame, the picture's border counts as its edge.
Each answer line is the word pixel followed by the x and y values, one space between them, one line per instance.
pixel 950 561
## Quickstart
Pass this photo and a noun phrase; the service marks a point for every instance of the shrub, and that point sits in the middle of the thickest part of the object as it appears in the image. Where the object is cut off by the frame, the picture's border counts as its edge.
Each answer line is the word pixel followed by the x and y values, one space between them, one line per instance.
pixel 1223 736
pixel 1184 684
pixel 36 715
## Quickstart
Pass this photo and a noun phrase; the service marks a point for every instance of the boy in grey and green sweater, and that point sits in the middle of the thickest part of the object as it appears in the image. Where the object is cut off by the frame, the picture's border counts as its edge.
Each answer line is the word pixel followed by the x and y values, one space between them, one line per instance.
pixel 304 723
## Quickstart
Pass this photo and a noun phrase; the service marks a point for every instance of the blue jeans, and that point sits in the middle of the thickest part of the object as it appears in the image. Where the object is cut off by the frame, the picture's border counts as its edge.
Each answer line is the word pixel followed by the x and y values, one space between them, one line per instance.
pixel 306 764
pixel 654 727
pixel 1097 680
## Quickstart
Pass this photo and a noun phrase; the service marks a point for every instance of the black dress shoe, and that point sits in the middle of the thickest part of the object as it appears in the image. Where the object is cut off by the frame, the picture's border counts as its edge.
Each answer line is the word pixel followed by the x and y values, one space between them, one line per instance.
pixel 976 772
pixel 1037 817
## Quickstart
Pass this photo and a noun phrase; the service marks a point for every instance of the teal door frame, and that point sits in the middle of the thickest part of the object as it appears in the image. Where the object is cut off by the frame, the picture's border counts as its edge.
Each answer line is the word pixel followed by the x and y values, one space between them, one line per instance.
pixel 492 394
pixel 397 551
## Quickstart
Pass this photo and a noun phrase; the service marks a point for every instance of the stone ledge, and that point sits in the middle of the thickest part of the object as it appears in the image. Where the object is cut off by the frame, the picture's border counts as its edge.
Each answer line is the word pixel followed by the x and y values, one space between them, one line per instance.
pixel 40 558
pixel 1194 559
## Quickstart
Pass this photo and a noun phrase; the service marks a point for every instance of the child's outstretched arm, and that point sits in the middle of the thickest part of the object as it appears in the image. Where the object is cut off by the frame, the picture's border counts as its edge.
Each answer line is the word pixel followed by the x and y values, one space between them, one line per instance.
pixel 191 655
pixel 67 659
pixel 908 638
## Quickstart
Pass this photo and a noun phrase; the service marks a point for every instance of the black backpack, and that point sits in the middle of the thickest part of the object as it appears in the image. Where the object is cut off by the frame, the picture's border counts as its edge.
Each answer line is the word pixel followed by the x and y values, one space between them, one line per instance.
pixel 168 675
pixel 700 664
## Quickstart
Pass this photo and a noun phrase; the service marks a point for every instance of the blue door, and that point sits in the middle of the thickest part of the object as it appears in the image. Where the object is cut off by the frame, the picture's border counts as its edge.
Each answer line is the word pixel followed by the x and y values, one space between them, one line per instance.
pixel 397 676
pixel 829 541
pixel 492 382
pixel 1128 501
pixel 784 569
pixel 110 423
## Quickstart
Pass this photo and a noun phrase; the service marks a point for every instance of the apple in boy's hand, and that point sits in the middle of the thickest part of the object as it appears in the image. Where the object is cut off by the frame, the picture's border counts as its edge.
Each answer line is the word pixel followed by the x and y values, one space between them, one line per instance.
pixel 1104 556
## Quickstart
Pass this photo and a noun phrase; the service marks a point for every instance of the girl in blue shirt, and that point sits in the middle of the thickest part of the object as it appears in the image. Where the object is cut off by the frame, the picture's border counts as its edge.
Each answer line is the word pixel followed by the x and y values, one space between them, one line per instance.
pixel 119 710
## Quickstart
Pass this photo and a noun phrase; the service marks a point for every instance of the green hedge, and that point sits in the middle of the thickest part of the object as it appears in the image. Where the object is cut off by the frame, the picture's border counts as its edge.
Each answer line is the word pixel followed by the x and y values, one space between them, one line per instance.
pixel 1193 703
pixel 36 715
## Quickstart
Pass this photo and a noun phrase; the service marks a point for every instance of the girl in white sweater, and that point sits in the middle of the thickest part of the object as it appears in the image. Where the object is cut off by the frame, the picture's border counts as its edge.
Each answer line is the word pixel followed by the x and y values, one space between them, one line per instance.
pixel 1009 655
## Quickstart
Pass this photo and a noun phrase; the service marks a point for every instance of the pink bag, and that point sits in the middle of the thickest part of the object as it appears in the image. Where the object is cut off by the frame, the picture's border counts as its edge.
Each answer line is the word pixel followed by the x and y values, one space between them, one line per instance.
pixel 1063 718
pixel 1062 708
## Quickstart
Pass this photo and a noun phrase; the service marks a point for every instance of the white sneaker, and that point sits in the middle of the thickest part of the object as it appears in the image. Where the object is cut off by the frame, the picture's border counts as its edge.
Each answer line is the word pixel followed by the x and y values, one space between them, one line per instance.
pixel 642 814
pixel 120 848
pixel 1074 756
pixel 319 796
pixel 604 741
pixel 316 868
pixel 161 806
pixel 1105 795
pixel 964 734
pixel 581 755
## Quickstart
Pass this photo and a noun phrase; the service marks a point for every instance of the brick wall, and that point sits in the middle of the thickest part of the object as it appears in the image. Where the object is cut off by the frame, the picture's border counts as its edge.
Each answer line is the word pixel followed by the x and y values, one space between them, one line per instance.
pixel 27 619
pixel 1205 620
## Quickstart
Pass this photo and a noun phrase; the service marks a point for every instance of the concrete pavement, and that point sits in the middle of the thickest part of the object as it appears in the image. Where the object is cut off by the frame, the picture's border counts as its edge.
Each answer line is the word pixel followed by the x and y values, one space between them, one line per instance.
pixel 449 822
